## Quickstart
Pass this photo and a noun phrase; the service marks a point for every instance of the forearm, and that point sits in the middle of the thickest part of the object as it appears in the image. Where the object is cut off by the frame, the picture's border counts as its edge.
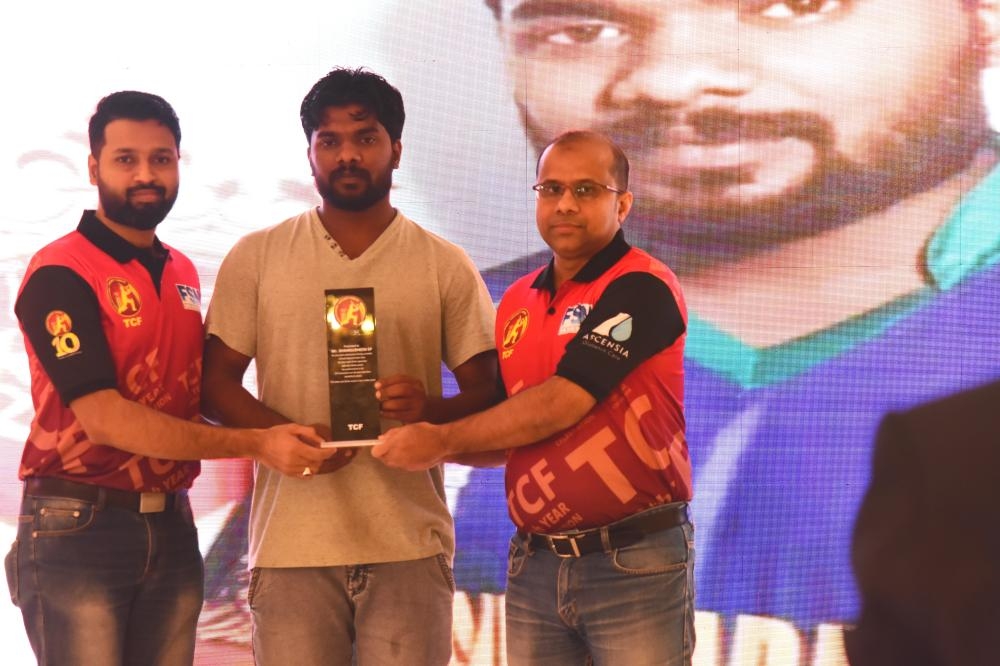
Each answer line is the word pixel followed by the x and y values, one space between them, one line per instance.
pixel 230 404
pixel 108 418
pixel 526 418
pixel 223 397
pixel 445 410
pixel 478 389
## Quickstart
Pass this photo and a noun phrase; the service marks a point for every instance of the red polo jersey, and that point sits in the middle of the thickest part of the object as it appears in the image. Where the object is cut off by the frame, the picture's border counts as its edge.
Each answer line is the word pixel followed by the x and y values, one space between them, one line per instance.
pixel 96 313
pixel 616 329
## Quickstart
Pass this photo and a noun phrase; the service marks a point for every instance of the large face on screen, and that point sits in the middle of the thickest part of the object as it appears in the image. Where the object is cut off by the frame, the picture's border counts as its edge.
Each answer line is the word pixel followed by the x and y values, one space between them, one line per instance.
pixel 754 121
pixel 352 158
pixel 136 173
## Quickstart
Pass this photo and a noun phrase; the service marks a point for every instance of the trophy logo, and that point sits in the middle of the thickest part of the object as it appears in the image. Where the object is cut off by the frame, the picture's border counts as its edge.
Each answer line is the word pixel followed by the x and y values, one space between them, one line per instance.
pixel 349 311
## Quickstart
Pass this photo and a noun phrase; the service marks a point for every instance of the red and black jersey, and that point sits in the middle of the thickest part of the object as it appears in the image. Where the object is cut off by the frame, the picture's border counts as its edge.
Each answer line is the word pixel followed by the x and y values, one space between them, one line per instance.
pixel 97 312
pixel 616 329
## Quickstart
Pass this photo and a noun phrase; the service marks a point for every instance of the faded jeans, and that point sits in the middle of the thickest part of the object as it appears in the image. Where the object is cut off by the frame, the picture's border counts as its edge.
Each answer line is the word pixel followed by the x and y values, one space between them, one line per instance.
pixel 106 586
pixel 633 605
pixel 385 613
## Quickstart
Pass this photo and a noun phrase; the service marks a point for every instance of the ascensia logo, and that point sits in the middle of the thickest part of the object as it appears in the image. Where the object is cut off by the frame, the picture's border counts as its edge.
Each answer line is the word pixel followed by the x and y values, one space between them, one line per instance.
pixel 60 327
pixel 618 328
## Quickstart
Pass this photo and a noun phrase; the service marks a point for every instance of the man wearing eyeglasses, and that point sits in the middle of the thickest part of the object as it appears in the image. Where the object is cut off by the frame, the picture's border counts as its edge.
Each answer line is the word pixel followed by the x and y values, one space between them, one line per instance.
pixel 597 473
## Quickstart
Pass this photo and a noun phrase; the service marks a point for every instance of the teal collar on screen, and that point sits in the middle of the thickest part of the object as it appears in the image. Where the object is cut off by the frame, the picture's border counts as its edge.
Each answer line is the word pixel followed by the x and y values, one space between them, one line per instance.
pixel 967 242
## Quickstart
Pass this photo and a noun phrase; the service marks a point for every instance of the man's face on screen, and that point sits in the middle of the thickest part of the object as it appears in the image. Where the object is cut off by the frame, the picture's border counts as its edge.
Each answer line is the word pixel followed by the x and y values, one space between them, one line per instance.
pixel 754 121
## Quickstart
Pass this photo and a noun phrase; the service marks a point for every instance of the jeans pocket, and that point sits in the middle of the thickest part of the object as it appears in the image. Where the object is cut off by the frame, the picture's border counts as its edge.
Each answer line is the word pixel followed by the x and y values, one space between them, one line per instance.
pixel 516 556
pixel 656 553
pixel 253 587
pixel 10 567
pixel 449 575
pixel 59 517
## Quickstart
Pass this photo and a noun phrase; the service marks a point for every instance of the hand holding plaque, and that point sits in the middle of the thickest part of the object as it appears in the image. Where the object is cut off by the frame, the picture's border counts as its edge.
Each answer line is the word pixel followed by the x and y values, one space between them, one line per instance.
pixel 352 361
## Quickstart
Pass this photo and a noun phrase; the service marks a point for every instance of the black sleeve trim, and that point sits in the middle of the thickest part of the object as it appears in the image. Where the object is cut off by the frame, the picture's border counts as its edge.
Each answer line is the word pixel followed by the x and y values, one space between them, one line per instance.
pixel 83 363
pixel 635 318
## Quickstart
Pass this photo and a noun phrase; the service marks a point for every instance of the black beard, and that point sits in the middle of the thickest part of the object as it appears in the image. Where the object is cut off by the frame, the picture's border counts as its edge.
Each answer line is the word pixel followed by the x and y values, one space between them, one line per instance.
pixel 375 190
pixel 143 217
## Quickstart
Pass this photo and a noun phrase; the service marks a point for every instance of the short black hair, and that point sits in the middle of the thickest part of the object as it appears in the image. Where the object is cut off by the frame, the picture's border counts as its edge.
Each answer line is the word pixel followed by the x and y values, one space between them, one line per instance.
pixel 131 105
pixel 342 87
pixel 619 162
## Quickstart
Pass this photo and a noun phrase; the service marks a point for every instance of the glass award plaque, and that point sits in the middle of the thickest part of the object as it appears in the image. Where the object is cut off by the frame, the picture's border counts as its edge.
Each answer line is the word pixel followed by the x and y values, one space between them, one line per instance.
pixel 352 360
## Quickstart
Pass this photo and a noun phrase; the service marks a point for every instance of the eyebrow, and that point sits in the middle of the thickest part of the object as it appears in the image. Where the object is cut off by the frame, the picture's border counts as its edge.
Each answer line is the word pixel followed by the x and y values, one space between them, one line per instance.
pixel 363 131
pixel 535 9
pixel 154 151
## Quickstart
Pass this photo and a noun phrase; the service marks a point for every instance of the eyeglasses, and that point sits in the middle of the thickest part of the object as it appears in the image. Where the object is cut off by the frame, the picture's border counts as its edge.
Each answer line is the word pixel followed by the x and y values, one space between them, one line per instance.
pixel 582 190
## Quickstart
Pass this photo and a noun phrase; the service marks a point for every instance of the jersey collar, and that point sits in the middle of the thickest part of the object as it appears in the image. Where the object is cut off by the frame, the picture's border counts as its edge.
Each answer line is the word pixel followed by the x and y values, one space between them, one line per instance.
pixel 607 257
pixel 153 259
pixel 114 245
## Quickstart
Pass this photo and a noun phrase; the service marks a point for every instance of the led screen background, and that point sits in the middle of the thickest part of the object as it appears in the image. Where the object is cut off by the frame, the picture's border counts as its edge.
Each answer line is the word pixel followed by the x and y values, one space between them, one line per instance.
pixel 765 488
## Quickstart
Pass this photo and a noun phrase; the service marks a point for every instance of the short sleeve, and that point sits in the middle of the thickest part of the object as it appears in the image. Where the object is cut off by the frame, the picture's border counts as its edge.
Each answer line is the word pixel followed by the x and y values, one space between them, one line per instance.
pixel 61 319
pixel 232 311
pixel 636 317
pixel 467 311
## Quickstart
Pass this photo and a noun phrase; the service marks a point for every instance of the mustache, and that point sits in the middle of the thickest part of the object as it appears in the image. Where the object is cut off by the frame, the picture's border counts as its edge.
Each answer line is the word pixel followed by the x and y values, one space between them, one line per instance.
pixel 162 191
pixel 349 171
pixel 655 127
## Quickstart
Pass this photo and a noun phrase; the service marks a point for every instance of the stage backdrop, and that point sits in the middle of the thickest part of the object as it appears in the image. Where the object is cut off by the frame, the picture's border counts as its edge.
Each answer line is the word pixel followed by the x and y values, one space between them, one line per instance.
pixel 819 173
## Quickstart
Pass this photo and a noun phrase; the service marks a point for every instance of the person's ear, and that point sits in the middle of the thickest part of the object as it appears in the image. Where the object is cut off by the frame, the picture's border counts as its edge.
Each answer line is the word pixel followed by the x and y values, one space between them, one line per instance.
pixel 624 205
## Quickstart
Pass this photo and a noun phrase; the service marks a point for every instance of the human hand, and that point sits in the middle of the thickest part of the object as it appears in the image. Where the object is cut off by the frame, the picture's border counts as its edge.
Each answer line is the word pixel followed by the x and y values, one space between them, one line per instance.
pixel 403 398
pixel 292 449
pixel 414 447
pixel 340 457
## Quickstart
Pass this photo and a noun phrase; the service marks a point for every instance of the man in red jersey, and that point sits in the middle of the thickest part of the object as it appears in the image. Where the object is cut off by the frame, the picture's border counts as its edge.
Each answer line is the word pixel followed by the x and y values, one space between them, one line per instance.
pixel 106 567
pixel 598 476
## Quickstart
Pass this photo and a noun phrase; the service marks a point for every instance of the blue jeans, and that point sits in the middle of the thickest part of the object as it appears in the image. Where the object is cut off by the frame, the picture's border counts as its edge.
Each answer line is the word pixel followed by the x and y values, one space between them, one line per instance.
pixel 385 613
pixel 106 586
pixel 633 605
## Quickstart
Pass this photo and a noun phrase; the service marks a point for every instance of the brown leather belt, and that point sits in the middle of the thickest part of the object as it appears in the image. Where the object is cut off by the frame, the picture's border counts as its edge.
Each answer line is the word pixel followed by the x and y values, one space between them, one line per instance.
pixel 620 534
pixel 100 496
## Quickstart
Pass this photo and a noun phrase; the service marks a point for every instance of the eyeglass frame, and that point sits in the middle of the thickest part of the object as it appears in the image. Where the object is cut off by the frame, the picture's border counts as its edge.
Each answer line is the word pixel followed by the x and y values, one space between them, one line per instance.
pixel 542 192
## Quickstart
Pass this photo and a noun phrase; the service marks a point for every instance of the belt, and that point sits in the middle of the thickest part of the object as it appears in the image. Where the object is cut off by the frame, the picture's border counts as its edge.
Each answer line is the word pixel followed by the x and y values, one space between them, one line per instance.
pixel 47 486
pixel 620 534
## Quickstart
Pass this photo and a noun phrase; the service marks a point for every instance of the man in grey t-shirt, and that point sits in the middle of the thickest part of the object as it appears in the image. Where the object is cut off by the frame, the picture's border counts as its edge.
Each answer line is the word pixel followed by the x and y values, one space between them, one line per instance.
pixel 358 558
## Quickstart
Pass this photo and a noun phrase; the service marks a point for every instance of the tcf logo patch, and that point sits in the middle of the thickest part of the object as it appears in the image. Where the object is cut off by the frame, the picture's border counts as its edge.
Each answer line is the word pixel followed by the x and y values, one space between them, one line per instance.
pixel 60 327
pixel 125 300
pixel 513 331
pixel 124 297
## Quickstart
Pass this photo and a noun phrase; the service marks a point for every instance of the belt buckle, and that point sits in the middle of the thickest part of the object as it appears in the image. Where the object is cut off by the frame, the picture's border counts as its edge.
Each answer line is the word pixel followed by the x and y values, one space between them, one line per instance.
pixel 152 502
pixel 554 538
